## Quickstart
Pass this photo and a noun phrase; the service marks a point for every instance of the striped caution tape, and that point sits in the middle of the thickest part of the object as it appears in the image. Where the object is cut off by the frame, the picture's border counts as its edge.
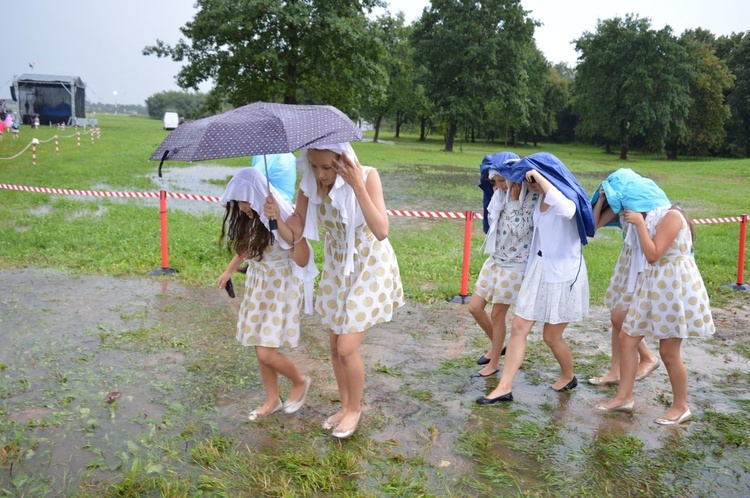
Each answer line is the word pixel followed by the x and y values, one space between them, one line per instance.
pixel 210 198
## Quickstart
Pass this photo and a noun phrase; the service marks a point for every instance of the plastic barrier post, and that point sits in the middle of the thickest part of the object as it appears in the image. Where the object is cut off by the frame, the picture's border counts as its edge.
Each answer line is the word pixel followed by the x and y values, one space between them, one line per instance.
pixel 464 293
pixel 165 269
pixel 79 139
pixel 740 285
pixel 57 146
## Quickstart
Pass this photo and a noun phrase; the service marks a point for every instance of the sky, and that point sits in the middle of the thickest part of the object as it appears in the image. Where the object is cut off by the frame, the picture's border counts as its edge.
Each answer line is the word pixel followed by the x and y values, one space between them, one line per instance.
pixel 101 41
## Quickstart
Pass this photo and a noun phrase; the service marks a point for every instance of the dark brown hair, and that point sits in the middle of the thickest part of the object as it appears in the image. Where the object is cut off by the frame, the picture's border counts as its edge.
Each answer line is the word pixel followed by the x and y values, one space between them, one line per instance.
pixel 242 235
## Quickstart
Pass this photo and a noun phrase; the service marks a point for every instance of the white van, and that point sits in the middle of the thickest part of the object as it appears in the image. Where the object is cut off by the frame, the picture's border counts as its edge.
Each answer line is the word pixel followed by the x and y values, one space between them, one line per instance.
pixel 171 120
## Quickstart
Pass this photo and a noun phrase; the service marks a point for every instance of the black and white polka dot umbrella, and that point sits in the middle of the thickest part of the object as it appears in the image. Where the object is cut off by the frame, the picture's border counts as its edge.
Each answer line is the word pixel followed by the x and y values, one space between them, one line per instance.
pixel 257 129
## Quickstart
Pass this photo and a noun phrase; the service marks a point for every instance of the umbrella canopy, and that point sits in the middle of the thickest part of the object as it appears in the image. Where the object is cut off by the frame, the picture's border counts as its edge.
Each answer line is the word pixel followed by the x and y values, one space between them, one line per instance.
pixel 257 129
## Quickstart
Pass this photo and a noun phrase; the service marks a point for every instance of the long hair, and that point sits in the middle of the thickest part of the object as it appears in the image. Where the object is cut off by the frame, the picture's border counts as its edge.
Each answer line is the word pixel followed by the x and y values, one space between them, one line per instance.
pixel 689 221
pixel 242 235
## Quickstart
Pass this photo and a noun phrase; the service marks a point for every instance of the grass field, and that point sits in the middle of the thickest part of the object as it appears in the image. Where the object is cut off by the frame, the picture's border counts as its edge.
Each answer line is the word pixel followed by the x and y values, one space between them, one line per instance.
pixel 180 427
pixel 116 238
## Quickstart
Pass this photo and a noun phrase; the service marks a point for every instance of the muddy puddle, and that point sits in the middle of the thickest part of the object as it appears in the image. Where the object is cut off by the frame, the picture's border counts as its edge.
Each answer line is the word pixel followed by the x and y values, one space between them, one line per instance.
pixel 170 350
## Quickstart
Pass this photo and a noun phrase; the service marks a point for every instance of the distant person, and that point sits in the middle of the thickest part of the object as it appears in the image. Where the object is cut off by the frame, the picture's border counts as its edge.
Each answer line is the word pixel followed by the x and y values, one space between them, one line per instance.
pixel 36 122
pixel 274 295
pixel 8 122
pixel 2 129
pixel 15 129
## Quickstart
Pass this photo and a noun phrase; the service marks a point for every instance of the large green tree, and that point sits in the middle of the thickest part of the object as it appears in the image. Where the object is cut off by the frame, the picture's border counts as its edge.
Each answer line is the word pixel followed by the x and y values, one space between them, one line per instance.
pixel 708 111
pixel 735 50
pixel 187 105
pixel 631 81
pixel 291 51
pixel 473 53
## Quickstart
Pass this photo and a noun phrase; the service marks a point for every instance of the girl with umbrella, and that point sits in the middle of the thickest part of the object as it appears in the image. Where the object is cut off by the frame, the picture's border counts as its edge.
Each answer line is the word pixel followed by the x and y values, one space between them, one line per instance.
pixel 269 313
pixel 360 285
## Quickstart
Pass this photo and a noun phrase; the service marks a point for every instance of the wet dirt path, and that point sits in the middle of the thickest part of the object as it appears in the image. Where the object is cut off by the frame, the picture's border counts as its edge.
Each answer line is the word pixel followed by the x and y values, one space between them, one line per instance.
pixel 170 349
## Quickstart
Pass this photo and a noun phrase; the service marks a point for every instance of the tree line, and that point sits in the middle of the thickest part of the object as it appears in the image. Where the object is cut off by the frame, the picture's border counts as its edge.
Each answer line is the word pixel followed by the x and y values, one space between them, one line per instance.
pixel 471 70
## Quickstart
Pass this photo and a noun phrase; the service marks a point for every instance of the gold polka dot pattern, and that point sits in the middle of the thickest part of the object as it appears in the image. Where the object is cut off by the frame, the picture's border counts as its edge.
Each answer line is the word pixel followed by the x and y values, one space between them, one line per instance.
pixel 269 313
pixel 680 312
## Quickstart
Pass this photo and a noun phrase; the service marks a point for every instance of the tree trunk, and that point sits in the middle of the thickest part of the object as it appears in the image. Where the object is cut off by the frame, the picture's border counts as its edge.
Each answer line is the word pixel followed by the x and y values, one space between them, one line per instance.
pixel 399 117
pixel 422 128
pixel 450 137
pixel 377 127
pixel 624 126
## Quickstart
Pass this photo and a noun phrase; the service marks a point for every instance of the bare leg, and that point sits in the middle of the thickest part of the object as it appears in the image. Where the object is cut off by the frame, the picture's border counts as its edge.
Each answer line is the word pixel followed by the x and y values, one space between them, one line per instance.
pixel 353 372
pixel 553 338
pixel 270 378
pixel 628 366
pixel 476 308
pixel 341 380
pixel 514 355
pixel 669 350
pixel 499 312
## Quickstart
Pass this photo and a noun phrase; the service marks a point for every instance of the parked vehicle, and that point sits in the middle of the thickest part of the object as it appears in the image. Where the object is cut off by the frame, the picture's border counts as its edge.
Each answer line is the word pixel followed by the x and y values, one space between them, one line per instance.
pixel 171 120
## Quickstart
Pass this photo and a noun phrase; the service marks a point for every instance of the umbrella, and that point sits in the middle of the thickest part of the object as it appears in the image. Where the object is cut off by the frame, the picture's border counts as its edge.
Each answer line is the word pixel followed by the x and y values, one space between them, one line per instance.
pixel 257 129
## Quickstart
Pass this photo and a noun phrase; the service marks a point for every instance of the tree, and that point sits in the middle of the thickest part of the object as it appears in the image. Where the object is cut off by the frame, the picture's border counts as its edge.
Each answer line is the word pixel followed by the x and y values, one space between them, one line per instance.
pixel 631 81
pixel 473 53
pixel 735 50
pixel 708 112
pixel 296 51
pixel 187 105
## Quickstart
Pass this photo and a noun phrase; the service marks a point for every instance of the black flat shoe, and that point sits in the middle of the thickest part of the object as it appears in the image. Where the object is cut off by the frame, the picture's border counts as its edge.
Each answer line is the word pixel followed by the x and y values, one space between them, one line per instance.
pixel 483 360
pixel 499 399
pixel 569 386
pixel 479 374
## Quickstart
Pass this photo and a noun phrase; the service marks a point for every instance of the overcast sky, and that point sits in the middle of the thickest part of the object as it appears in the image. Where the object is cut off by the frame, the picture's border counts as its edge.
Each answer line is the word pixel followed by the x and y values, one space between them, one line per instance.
pixel 101 40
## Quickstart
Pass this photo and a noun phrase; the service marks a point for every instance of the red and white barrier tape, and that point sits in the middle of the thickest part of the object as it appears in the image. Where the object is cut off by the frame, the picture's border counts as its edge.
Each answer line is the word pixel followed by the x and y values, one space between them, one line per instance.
pixel 210 198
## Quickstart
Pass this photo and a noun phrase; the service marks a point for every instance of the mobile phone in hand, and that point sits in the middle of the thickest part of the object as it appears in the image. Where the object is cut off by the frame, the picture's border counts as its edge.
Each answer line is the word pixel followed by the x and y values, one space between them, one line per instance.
pixel 230 288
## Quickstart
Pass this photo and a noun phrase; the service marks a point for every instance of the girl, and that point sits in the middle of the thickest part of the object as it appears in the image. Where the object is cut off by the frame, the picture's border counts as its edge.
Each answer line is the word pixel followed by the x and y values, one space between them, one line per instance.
pixel 625 188
pixel 360 285
pixel 670 303
pixel 555 288
pixel 269 313
pixel 509 227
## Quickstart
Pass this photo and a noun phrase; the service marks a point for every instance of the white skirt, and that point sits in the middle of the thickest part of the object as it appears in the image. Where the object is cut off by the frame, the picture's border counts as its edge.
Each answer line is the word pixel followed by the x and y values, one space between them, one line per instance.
pixel 557 302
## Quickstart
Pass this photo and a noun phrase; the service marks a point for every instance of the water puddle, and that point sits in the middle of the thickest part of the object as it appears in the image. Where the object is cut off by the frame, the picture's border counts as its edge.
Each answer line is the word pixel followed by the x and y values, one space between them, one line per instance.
pixel 170 350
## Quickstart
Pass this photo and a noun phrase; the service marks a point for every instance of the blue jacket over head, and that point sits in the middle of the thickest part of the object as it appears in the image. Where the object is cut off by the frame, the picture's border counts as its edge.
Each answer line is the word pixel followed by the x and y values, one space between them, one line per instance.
pixel 497 162
pixel 626 189
pixel 558 175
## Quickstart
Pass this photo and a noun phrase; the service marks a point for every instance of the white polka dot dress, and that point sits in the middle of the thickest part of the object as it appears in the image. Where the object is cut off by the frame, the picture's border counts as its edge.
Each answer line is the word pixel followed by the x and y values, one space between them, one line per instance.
pixel 355 302
pixel 269 313
pixel 617 296
pixel 670 300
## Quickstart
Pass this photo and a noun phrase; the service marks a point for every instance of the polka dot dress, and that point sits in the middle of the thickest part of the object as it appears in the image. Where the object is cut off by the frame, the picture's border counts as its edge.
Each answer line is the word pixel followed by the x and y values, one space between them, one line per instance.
pixel 368 296
pixel 617 296
pixel 269 313
pixel 670 300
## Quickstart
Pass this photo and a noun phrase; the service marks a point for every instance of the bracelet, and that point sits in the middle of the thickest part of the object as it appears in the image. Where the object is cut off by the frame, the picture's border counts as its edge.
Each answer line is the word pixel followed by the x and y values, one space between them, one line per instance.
pixel 297 241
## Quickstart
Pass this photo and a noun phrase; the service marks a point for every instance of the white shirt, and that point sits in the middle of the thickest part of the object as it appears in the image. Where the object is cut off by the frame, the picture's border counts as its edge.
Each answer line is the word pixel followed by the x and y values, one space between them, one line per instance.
pixel 556 235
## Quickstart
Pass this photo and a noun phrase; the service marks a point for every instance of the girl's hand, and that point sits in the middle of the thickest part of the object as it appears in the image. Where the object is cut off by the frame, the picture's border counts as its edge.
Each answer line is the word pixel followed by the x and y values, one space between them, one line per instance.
pixel 223 279
pixel 602 195
pixel 532 175
pixel 515 191
pixel 349 169
pixel 633 218
pixel 270 208
pixel 295 224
